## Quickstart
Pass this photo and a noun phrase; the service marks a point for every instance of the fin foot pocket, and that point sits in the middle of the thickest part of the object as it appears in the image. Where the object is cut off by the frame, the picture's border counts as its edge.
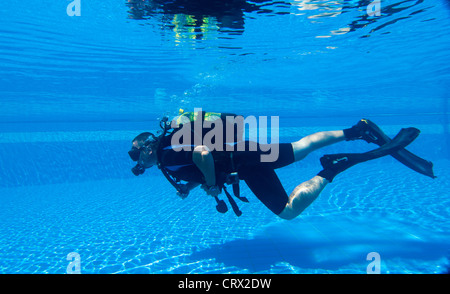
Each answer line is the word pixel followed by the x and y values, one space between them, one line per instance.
pixel 334 164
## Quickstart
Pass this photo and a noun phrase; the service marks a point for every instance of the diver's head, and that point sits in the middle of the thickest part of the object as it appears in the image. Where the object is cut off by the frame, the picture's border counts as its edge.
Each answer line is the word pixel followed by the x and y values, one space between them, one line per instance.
pixel 143 152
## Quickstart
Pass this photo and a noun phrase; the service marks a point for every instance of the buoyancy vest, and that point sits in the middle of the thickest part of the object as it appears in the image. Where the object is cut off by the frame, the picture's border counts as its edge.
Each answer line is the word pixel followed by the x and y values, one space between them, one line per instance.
pixel 194 122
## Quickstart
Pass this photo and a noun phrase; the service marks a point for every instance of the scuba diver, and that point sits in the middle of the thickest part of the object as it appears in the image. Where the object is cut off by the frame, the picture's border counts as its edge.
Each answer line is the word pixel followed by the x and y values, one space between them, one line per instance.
pixel 214 169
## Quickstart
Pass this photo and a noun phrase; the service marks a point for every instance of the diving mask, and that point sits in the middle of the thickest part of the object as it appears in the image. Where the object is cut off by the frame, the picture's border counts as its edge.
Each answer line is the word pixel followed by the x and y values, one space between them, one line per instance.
pixel 139 156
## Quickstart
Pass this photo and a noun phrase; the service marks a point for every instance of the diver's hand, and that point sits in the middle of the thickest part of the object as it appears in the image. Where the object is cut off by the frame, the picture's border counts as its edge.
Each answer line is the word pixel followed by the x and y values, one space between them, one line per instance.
pixel 211 190
pixel 183 195
pixel 184 191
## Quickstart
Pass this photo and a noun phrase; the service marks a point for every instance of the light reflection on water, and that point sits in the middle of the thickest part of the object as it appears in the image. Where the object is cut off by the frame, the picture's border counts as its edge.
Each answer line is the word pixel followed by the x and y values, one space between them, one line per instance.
pixel 154 56
pixel 224 19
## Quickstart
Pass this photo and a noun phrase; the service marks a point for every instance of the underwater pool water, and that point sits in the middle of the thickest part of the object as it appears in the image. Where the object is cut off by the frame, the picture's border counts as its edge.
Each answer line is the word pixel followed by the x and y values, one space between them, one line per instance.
pixel 75 90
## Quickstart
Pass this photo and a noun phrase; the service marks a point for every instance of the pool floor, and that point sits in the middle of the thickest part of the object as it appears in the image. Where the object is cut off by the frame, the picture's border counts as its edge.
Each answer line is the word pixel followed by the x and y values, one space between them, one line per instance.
pixel 141 226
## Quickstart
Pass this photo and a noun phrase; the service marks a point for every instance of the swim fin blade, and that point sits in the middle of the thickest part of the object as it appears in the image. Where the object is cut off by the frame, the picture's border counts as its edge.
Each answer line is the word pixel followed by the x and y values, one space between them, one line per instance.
pixel 334 164
pixel 414 162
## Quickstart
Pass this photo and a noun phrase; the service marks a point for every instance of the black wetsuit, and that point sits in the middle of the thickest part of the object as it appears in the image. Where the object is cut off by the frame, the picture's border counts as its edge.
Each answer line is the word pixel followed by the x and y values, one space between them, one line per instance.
pixel 259 176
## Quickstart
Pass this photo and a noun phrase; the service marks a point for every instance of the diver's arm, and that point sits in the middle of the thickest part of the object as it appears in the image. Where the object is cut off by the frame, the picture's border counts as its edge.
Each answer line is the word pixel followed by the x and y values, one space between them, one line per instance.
pixel 203 158
pixel 192 185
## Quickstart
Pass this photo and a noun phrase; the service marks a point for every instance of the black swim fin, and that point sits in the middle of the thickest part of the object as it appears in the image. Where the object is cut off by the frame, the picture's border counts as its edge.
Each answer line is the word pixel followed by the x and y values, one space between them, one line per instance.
pixel 334 164
pixel 373 134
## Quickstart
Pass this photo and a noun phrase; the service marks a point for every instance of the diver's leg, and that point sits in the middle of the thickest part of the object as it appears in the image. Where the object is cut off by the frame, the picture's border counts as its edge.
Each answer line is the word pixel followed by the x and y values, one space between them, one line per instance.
pixel 315 141
pixel 362 130
pixel 305 193
pixel 302 196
